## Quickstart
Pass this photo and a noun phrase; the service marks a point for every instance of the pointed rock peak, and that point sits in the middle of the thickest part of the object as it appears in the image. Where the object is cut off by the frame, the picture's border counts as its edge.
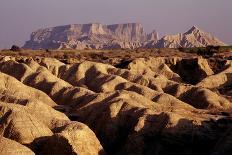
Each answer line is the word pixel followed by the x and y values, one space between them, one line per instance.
pixel 194 29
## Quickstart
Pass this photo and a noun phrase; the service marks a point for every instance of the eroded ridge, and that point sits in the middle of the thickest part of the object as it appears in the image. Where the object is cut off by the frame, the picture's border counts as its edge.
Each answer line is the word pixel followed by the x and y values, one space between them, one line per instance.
pixel 149 106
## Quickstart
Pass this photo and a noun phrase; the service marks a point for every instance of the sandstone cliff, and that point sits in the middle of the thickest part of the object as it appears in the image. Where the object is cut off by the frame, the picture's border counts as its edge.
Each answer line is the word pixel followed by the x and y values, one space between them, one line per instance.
pixel 88 36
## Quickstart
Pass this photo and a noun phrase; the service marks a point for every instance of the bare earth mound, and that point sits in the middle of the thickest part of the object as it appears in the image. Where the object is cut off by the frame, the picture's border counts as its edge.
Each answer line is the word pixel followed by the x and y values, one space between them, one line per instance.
pixel 146 105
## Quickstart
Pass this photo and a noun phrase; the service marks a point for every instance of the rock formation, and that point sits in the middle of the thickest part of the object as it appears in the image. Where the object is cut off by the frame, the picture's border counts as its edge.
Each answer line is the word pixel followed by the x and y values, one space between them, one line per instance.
pixel 192 38
pixel 89 36
pixel 10 147
pixel 118 36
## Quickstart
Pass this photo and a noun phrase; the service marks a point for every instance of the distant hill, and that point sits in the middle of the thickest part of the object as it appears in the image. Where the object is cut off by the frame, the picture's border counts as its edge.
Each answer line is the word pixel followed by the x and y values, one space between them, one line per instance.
pixel 117 36
pixel 192 38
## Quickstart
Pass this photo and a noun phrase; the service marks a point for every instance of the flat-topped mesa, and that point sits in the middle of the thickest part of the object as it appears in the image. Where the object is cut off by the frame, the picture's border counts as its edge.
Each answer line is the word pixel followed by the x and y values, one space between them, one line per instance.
pixel 62 33
pixel 92 35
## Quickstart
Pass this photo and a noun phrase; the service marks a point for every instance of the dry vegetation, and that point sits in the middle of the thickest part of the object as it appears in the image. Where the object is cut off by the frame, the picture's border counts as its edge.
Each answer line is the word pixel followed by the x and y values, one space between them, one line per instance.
pixel 116 57
pixel 105 56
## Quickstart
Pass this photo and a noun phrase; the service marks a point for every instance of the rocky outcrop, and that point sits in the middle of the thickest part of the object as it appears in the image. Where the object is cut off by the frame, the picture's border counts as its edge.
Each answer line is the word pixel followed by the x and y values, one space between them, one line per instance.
pixel 73 138
pixel 10 147
pixel 192 38
pixel 118 36
pixel 221 79
pixel 88 36
pixel 153 36
pixel 192 70
pixel 132 32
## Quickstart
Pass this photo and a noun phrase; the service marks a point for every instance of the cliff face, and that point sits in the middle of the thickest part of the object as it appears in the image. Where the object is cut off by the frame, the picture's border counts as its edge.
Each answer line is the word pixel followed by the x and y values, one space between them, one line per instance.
pixel 130 35
pixel 153 36
pixel 132 32
pixel 192 38
pixel 88 36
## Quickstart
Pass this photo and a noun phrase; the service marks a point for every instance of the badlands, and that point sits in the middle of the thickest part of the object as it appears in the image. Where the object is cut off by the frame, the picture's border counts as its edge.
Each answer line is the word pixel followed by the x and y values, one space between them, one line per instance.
pixel 149 102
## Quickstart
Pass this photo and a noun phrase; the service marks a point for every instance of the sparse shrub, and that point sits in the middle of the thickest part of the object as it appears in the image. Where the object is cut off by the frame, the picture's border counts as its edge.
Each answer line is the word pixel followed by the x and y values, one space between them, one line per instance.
pixel 47 50
pixel 181 49
pixel 15 48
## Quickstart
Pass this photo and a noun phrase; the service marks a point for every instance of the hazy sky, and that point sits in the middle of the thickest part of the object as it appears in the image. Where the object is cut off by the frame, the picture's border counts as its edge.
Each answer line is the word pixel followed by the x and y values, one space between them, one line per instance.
pixel 18 18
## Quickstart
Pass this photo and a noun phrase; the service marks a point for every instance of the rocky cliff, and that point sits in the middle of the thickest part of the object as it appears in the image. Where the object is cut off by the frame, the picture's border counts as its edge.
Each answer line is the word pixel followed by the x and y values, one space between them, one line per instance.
pixel 98 36
pixel 91 36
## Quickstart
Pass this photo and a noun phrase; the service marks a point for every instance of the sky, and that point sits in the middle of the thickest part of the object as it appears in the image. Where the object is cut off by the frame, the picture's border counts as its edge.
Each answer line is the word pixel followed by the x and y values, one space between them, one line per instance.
pixel 18 18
